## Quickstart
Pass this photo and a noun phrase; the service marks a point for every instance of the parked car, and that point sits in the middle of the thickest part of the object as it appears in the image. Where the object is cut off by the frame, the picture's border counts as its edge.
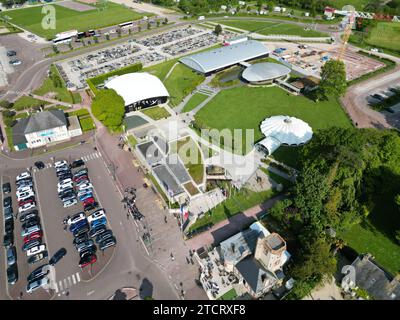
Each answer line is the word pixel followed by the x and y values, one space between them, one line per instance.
pixel 97 230
pixel 23 175
pixel 31 244
pixel 82 181
pixel 378 97
pixel 39 272
pixel 85 245
pixel 7 202
pixel 69 203
pixel 26 207
pixel 65 175
pixel 28 215
pixel 35 250
pixel 81 178
pixel 87 260
pixel 57 256
pixel 39 164
pixel 77 163
pixel 6 188
pixel 81 238
pixel 109 242
pixel 37 257
pixel 83 192
pixel 104 235
pixel 31 222
pixel 60 163
pixel 64 187
pixel 9 226
pixel 76 217
pixel 31 199
pixel 32 236
pixel 99 213
pixel 88 201
pixel 89 206
pixel 79 224
pixel 64 181
pixel 30 230
pixel 8 213
pixel 85 196
pixel 36 284
pixel 8 239
pixel 11 53
pixel 78 232
pixel 98 222
pixel 66 192
pixel 12 274
pixel 15 62
pixel 11 255
pixel 85 186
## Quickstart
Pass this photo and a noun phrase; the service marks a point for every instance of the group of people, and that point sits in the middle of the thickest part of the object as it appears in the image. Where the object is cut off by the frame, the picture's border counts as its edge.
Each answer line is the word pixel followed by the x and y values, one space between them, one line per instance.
pixel 130 204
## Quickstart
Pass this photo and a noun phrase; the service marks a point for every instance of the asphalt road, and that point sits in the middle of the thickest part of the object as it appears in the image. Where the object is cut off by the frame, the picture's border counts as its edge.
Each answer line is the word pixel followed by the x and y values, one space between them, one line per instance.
pixel 129 265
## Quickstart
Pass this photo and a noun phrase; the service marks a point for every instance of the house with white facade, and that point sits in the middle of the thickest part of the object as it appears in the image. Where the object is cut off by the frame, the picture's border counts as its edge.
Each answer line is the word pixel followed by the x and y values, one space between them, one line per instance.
pixel 44 128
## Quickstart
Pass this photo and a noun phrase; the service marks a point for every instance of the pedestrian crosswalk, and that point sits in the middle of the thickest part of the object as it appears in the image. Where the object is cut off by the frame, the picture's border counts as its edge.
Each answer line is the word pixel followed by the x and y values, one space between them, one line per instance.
pixel 86 158
pixel 62 286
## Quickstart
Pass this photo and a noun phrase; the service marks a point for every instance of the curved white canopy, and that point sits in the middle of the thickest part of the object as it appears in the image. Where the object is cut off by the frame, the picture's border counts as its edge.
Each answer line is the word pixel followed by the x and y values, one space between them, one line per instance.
pixel 284 130
pixel 134 87
pixel 265 71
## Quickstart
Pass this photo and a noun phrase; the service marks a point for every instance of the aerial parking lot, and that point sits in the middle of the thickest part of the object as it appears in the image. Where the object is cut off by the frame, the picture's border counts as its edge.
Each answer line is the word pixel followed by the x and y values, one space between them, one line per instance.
pixel 76 239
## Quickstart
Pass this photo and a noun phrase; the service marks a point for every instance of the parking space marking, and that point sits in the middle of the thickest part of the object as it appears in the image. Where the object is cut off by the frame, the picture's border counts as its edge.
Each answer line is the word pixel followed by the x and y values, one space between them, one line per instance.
pixel 78 278
pixel 73 279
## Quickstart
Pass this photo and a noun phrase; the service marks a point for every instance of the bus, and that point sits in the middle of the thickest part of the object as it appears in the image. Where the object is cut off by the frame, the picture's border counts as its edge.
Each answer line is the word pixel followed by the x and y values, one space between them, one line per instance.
pixel 126 25
pixel 86 34
pixel 65 37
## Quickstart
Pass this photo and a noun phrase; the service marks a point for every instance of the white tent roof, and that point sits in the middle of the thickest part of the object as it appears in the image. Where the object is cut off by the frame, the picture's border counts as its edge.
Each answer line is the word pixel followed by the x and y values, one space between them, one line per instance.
pixel 284 130
pixel 265 71
pixel 134 87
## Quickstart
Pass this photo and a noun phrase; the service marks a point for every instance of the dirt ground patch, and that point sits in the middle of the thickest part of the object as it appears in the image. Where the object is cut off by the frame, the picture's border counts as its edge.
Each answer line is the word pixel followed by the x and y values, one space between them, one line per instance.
pixel 76 5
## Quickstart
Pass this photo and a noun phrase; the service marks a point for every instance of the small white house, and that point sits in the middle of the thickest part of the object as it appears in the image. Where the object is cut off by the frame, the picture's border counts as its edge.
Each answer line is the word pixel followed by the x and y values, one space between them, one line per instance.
pixel 223 7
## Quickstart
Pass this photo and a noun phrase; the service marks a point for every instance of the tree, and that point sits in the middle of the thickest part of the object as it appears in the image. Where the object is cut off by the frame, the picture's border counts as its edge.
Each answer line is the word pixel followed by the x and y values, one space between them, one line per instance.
pixel 165 21
pixel 218 29
pixel 109 108
pixel 6 104
pixel 333 80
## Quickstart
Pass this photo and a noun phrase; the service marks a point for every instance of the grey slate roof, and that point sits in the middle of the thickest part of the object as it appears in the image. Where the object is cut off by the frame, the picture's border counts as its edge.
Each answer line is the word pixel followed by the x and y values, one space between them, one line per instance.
pixel 18 131
pixel 254 274
pixel 375 280
pixel 45 120
pixel 215 59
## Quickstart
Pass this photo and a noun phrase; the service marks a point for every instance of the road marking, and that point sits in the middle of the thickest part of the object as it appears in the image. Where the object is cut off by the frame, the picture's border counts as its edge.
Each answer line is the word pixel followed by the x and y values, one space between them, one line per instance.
pixel 78 278
pixel 56 287
pixel 60 285
pixel 73 279
pixel 69 281
pixel 65 283
pixel 90 293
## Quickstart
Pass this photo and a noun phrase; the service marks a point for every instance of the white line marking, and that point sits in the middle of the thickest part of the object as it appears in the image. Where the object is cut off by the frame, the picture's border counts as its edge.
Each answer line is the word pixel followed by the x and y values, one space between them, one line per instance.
pixel 60 285
pixel 69 281
pixel 56 287
pixel 65 283
pixel 73 279
pixel 78 278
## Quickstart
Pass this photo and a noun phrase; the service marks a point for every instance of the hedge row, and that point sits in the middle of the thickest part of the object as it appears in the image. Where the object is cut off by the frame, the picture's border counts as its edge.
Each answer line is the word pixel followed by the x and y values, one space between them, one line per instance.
pixel 95 81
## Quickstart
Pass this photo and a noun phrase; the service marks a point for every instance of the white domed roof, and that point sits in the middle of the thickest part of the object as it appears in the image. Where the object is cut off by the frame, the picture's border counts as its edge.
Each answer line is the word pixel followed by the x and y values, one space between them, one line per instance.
pixel 284 130
pixel 265 71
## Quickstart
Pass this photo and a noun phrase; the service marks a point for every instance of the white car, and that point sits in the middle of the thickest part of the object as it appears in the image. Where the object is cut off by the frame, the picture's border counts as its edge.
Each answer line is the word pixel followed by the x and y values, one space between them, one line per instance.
pixel 32 286
pixel 23 175
pixel 60 163
pixel 65 186
pixel 23 190
pixel 85 186
pixel 96 215
pixel 37 249
pixel 69 203
pixel 85 191
pixel 25 195
pixel 65 181
pixel 76 218
pixel 26 207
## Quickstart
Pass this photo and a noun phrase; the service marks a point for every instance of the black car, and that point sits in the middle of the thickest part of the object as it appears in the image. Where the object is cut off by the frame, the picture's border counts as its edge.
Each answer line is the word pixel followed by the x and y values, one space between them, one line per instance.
pixel 39 272
pixel 104 235
pixel 31 244
pixel 97 230
pixel 81 238
pixel 7 202
pixel 31 222
pixel 63 171
pixel 109 242
pixel 12 274
pixel 11 53
pixel 57 256
pixel 88 251
pixel 6 188
pixel 8 213
pixel 81 172
pixel 378 97
pixel 66 192
pixel 39 164
pixel 67 175
pixel 78 232
pixel 37 257
pixel 9 226
pixel 90 206
pixel 8 239
pixel 77 163
pixel 28 215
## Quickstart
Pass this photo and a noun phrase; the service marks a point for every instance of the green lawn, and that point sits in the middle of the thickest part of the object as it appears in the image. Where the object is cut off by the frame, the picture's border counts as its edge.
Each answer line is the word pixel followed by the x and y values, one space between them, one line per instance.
pixel 194 101
pixel 181 82
pixel 26 102
pixel 236 203
pixel 156 113
pixel 132 141
pixel 192 161
pixel 61 93
pixel 68 19
pixel 85 119
pixel 229 295
pixel 385 35
pixel 358 4
pixel 245 108
pixel 278 179
pixel 268 28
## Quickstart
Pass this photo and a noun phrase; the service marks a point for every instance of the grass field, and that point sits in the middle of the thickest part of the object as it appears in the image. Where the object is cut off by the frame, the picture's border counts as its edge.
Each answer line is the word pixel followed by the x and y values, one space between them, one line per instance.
pixel 245 108
pixel 85 120
pixel 26 102
pixel 156 113
pixel 385 35
pixel 230 295
pixel 268 28
pixel 194 101
pixel 67 19
pixel 358 4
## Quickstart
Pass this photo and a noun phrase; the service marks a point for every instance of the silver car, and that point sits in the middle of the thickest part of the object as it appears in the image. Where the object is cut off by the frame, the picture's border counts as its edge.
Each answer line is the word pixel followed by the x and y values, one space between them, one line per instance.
pixel 11 256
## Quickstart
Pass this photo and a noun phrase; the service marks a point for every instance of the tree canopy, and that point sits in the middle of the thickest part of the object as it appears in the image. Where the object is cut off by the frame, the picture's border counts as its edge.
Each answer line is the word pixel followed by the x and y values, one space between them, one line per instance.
pixel 109 108
pixel 333 80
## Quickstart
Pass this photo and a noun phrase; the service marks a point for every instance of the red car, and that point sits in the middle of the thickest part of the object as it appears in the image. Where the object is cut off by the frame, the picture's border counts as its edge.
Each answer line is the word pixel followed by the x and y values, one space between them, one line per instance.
pixel 29 200
pixel 80 178
pixel 87 260
pixel 88 201
pixel 32 236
